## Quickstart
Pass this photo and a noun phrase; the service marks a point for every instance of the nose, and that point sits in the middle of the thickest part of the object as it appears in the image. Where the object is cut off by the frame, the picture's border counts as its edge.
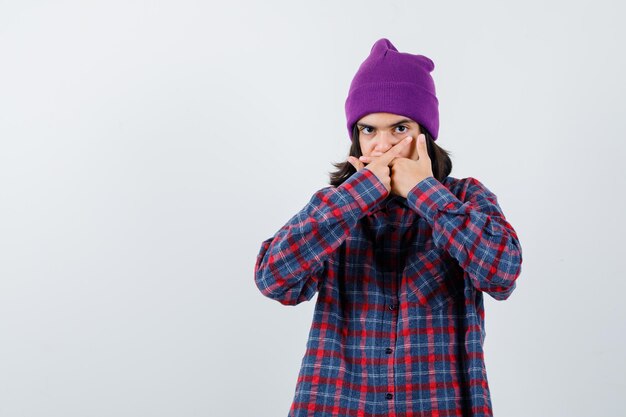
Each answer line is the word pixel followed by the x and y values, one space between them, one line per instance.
pixel 384 142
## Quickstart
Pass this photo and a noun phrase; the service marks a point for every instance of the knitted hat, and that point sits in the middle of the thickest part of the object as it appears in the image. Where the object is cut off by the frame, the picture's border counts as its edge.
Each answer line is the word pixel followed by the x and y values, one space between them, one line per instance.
pixel 394 82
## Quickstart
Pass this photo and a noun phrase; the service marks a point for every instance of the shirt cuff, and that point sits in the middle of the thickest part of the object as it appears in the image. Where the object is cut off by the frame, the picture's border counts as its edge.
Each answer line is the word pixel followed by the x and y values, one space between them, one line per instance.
pixel 429 195
pixel 365 188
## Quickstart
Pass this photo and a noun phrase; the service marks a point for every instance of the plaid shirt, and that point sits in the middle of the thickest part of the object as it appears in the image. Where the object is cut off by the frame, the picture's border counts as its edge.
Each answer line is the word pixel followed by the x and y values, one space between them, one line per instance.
pixel 398 326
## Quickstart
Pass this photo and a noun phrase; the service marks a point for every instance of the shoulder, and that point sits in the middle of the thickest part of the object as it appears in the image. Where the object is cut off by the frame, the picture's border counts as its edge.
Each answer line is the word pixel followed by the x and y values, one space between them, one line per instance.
pixel 468 187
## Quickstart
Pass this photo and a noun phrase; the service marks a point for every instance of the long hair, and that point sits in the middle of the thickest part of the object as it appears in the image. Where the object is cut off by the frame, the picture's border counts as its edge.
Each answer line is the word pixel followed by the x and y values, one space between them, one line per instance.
pixel 440 158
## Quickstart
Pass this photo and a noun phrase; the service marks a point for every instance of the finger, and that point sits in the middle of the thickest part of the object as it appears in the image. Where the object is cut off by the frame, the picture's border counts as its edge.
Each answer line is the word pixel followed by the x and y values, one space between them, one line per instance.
pixel 369 159
pixel 395 150
pixel 358 165
pixel 422 149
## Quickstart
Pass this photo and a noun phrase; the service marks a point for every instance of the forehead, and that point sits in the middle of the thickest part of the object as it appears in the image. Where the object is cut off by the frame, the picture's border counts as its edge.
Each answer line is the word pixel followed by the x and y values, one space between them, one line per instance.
pixel 384 119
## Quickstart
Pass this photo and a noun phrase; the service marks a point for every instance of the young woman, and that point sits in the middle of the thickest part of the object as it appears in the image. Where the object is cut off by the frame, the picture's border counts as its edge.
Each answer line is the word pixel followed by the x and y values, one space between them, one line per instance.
pixel 399 253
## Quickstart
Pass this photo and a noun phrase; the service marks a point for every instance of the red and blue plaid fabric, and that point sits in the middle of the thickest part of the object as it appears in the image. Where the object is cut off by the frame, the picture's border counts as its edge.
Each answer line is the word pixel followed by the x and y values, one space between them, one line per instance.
pixel 398 326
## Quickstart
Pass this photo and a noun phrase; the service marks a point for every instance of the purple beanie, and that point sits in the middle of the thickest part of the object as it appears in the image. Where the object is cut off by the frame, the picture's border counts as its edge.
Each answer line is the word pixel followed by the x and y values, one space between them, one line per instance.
pixel 394 82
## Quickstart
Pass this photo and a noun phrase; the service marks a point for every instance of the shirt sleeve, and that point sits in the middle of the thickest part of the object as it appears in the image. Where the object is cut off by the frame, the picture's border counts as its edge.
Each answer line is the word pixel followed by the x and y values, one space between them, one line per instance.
pixel 290 264
pixel 474 231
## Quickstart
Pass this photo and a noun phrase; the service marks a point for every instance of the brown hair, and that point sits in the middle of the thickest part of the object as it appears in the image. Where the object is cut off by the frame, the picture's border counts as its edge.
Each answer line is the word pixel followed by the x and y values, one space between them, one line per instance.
pixel 440 158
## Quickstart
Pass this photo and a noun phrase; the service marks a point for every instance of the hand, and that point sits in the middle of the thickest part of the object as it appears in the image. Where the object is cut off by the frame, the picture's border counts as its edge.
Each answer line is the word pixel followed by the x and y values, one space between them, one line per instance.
pixel 406 173
pixel 380 165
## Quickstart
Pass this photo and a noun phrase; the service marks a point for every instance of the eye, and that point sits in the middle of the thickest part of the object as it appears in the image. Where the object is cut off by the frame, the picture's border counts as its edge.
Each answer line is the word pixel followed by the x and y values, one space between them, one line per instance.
pixel 404 127
pixel 364 128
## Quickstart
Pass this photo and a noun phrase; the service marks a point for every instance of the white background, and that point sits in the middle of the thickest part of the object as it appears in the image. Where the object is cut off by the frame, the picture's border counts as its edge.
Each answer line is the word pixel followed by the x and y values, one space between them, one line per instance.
pixel 147 148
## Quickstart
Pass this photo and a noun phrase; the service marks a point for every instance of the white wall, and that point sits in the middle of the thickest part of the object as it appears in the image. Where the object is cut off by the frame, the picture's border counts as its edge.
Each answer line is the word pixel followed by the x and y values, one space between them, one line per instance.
pixel 147 148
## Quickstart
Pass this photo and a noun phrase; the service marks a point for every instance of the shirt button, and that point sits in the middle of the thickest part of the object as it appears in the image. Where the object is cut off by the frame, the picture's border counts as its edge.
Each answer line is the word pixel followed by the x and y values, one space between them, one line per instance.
pixel 389 396
pixel 388 350
pixel 391 306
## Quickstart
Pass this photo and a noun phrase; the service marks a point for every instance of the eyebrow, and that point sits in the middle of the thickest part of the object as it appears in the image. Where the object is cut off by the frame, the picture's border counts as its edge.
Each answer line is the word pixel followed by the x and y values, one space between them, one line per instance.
pixel 393 125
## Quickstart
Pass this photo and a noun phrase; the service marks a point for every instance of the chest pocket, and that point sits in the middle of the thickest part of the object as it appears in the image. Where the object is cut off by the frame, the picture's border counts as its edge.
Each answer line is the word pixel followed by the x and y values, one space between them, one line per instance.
pixel 431 279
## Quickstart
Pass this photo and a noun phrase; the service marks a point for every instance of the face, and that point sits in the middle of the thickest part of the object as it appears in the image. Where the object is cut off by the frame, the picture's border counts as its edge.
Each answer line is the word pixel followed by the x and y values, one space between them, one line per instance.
pixel 378 132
